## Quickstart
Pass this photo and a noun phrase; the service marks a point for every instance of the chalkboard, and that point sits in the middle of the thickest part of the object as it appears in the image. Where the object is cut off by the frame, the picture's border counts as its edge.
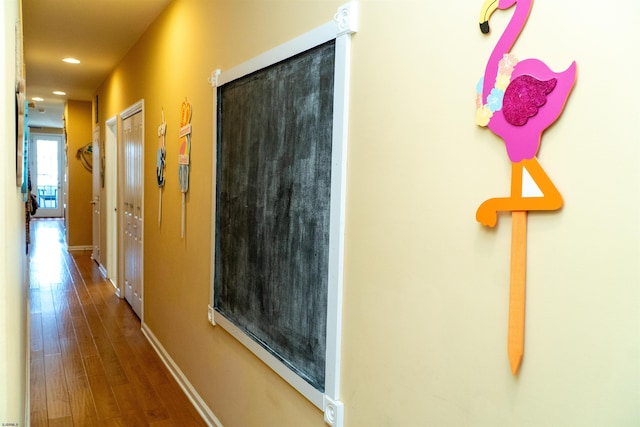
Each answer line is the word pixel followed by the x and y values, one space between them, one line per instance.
pixel 273 194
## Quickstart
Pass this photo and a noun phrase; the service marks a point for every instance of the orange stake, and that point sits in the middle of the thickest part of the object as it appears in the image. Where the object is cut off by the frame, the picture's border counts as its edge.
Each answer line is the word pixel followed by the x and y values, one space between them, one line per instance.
pixel 515 345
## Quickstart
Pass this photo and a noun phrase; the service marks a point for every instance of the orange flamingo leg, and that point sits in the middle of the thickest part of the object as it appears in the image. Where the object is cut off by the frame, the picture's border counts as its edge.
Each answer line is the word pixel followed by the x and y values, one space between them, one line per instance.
pixel 550 200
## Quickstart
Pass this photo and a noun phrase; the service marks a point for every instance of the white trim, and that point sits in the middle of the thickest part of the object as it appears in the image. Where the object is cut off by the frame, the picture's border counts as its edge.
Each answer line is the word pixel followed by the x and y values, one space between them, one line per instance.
pixel 111 199
pixel 347 18
pixel 337 213
pixel 214 82
pixel 79 248
pixel 103 271
pixel 130 111
pixel 344 24
pixel 115 286
pixel 205 412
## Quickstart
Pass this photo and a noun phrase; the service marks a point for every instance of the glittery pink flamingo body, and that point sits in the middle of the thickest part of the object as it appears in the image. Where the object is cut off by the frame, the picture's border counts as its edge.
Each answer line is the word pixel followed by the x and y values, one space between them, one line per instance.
pixel 533 99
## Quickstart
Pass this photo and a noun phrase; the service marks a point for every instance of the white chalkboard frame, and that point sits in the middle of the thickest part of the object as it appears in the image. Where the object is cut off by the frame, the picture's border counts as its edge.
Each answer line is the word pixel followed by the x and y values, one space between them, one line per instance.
pixel 340 29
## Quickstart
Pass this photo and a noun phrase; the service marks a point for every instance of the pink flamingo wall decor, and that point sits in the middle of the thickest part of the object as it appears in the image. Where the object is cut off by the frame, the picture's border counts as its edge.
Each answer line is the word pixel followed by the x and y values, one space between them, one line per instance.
pixel 518 100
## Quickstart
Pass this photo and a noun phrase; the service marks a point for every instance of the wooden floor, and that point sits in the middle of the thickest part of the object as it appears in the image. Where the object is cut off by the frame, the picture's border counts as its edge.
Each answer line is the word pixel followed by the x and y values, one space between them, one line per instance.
pixel 90 363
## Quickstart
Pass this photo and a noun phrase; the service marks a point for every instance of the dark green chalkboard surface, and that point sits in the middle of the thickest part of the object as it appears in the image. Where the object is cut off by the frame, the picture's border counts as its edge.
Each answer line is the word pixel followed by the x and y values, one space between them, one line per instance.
pixel 273 188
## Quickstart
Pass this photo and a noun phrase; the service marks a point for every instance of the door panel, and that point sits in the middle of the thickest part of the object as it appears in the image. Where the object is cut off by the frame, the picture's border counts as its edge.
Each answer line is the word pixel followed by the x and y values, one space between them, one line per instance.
pixel 132 210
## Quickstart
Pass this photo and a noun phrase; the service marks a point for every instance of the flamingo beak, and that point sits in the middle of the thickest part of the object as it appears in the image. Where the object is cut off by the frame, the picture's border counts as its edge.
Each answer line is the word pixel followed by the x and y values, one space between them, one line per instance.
pixel 488 7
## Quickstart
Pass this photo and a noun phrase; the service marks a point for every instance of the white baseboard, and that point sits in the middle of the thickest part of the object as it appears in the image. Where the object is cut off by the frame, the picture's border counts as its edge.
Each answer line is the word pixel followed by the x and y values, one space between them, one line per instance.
pixel 118 293
pixel 205 412
pixel 79 248
pixel 103 270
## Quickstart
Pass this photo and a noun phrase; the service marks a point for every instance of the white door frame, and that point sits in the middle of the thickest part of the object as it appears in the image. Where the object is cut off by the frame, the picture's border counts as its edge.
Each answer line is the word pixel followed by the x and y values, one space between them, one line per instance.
pixel 111 202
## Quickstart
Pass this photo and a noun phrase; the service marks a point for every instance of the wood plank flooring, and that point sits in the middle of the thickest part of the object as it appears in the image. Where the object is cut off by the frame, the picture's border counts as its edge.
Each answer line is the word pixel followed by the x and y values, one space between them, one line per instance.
pixel 90 363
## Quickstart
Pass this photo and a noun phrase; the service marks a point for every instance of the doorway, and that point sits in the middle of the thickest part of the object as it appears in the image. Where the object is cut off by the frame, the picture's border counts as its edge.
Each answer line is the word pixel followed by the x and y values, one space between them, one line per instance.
pixel 46 173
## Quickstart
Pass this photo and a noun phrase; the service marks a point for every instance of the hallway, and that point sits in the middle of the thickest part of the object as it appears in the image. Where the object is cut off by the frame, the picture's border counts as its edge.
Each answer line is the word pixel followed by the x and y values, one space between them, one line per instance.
pixel 90 363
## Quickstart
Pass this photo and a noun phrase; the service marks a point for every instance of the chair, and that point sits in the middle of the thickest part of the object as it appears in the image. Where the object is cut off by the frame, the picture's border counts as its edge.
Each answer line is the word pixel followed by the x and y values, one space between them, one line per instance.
pixel 47 196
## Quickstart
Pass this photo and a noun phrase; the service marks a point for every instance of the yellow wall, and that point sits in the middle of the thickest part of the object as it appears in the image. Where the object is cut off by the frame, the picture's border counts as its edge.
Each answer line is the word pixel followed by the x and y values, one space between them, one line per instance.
pixel 14 329
pixel 426 287
pixel 79 214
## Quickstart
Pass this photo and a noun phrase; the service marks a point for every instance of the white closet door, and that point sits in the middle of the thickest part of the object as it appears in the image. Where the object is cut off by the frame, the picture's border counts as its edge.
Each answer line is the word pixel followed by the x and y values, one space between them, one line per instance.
pixel 132 210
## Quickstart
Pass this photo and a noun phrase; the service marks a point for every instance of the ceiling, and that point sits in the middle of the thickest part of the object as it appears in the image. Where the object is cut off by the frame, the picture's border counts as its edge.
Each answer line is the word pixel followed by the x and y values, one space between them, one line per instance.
pixel 97 32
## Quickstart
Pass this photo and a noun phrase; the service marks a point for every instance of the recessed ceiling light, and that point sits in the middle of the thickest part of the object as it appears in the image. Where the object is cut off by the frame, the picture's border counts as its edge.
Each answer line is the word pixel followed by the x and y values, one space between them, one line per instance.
pixel 59 92
pixel 37 99
pixel 71 60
